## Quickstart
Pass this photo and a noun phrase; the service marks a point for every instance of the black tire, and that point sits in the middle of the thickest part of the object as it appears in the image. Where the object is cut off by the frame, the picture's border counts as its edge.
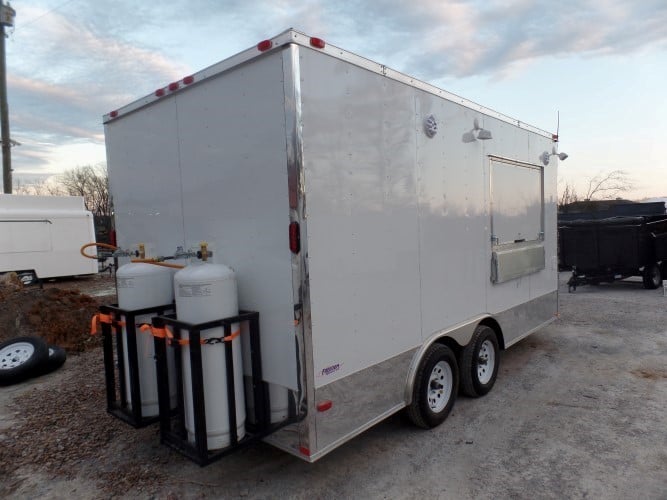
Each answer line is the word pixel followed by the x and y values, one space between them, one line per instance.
pixel 55 360
pixel 21 358
pixel 652 276
pixel 28 278
pixel 425 412
pixel 477 377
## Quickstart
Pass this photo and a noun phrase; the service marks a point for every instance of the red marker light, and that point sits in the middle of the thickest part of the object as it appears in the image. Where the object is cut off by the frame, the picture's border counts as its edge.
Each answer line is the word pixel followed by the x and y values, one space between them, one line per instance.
pixel 324 405
pixel 159 92
pixel 264 45
pixel 304 451
pixel 173 86
pixel 318 43
pixel 188 80
pixel 113 114
pixel 294 238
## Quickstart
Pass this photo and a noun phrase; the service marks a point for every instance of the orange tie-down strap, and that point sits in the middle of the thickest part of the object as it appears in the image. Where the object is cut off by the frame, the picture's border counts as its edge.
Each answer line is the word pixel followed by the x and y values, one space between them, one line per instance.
pixel 165 333
pixel 99 319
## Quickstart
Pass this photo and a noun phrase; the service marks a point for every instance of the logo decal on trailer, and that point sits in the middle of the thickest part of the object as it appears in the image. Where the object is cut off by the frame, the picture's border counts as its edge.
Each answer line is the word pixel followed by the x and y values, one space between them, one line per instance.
pixel 330 369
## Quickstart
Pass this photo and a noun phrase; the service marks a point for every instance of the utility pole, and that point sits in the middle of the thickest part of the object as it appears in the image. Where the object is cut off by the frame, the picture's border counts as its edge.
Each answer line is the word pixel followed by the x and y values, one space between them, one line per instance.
pixel 7 15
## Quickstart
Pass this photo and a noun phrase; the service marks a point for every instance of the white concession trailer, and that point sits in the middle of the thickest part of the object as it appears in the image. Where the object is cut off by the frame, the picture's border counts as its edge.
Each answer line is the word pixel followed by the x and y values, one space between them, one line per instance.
pixel 392 236
pixel 40 236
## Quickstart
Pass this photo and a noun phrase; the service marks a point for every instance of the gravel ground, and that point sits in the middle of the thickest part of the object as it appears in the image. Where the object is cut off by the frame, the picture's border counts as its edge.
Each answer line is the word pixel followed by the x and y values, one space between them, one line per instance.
pixel 578 411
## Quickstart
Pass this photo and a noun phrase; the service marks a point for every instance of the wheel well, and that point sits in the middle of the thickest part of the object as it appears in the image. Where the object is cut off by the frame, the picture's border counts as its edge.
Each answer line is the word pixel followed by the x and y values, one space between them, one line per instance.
pixel 452 344
pixel 493 324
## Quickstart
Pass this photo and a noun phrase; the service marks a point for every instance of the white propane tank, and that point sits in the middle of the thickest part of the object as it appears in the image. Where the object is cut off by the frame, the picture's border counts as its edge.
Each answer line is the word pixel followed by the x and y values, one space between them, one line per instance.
pixel 141 286
pixel 206 292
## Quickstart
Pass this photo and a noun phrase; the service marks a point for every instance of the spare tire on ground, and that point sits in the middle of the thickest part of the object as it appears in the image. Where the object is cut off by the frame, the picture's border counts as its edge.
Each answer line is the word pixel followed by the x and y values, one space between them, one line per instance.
pixel 56 359
pixel 22 358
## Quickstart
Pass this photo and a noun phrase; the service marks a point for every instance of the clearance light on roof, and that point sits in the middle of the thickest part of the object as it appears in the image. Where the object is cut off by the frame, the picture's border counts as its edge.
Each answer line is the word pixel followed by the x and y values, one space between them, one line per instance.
pixel 318 43
pixel 173 86
pixel 113 114
pixel 264 45
pixel 159 92
pixel 188 80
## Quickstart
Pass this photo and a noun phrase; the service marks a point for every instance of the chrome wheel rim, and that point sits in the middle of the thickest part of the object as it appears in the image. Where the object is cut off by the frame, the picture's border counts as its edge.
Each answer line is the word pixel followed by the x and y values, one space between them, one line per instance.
pixel 440 385
pixel 486 362
pixel 15 355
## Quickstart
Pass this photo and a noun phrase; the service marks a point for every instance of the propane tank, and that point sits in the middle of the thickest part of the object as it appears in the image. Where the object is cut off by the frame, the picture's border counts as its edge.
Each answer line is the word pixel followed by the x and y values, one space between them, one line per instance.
pixel 207 292
pixel 142 286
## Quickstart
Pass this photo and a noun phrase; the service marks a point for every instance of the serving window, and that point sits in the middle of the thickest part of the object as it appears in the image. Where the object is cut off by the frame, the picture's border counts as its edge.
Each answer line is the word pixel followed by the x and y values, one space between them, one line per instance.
pixel 517 219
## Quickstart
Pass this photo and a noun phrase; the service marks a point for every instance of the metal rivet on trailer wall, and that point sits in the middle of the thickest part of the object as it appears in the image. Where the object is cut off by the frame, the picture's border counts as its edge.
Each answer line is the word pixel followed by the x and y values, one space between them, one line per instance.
pixel 264 45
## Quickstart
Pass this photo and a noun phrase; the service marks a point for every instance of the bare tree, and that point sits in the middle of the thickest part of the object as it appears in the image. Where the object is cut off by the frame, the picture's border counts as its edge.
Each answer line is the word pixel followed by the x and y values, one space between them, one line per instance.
pixel 602 186
pixel 91 182
pixel 44 187
pixel 607 186
pixel 568 194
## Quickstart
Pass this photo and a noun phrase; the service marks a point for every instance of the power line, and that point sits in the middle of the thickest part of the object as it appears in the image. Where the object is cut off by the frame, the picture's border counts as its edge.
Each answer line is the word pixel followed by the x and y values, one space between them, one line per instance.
pixel 35 19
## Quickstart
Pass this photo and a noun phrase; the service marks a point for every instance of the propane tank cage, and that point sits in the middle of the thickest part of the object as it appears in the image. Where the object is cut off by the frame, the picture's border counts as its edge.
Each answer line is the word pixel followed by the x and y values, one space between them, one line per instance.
pixel 117 395
pixel 172 423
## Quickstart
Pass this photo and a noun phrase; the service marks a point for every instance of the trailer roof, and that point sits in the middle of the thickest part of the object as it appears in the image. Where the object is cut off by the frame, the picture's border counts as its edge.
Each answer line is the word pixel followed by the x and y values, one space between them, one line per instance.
pixel 292 36
pixel 12 202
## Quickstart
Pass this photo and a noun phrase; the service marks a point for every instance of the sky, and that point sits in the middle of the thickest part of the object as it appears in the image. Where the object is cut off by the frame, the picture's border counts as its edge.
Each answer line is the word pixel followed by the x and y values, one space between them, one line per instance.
pixel 601 65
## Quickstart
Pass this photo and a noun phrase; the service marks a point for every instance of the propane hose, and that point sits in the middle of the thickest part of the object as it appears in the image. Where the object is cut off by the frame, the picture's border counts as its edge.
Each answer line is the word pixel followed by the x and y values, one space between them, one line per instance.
pixel 158 263
pixel 103 245
pixel 114 248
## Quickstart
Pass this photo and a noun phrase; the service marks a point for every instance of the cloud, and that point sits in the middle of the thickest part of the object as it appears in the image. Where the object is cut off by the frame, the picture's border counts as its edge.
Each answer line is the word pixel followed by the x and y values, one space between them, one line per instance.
pixel 70 65
pixel 435 39
pixel 63 76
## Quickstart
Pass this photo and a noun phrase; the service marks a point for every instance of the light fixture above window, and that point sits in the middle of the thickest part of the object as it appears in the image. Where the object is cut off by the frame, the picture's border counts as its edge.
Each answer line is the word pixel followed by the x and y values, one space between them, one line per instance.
pixel 476 133
pixel 546 156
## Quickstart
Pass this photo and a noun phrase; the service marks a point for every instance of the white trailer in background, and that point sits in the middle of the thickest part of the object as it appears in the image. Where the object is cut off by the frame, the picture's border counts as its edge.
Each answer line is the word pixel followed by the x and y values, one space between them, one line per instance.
pixel 393 236
pixel 40 236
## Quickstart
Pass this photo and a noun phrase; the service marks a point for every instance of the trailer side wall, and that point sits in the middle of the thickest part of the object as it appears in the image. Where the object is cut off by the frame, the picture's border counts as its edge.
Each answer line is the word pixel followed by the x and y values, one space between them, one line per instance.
pixel 209 163
pixel 399 241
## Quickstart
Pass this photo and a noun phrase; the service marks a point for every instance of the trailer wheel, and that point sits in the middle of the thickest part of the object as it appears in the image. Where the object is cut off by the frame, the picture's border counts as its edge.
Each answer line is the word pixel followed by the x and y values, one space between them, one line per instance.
pixel 436 387
pixel 479 362
pixel 652 276
pixel 21 358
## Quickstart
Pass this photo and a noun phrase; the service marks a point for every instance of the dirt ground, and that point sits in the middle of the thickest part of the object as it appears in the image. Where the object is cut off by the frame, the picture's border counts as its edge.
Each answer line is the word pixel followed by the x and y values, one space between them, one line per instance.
pixel 58 311
pixel 579 410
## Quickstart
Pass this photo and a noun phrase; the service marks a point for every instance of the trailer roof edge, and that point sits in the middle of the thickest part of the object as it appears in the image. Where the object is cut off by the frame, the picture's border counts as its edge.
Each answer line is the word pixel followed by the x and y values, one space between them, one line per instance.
pixel 294 36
